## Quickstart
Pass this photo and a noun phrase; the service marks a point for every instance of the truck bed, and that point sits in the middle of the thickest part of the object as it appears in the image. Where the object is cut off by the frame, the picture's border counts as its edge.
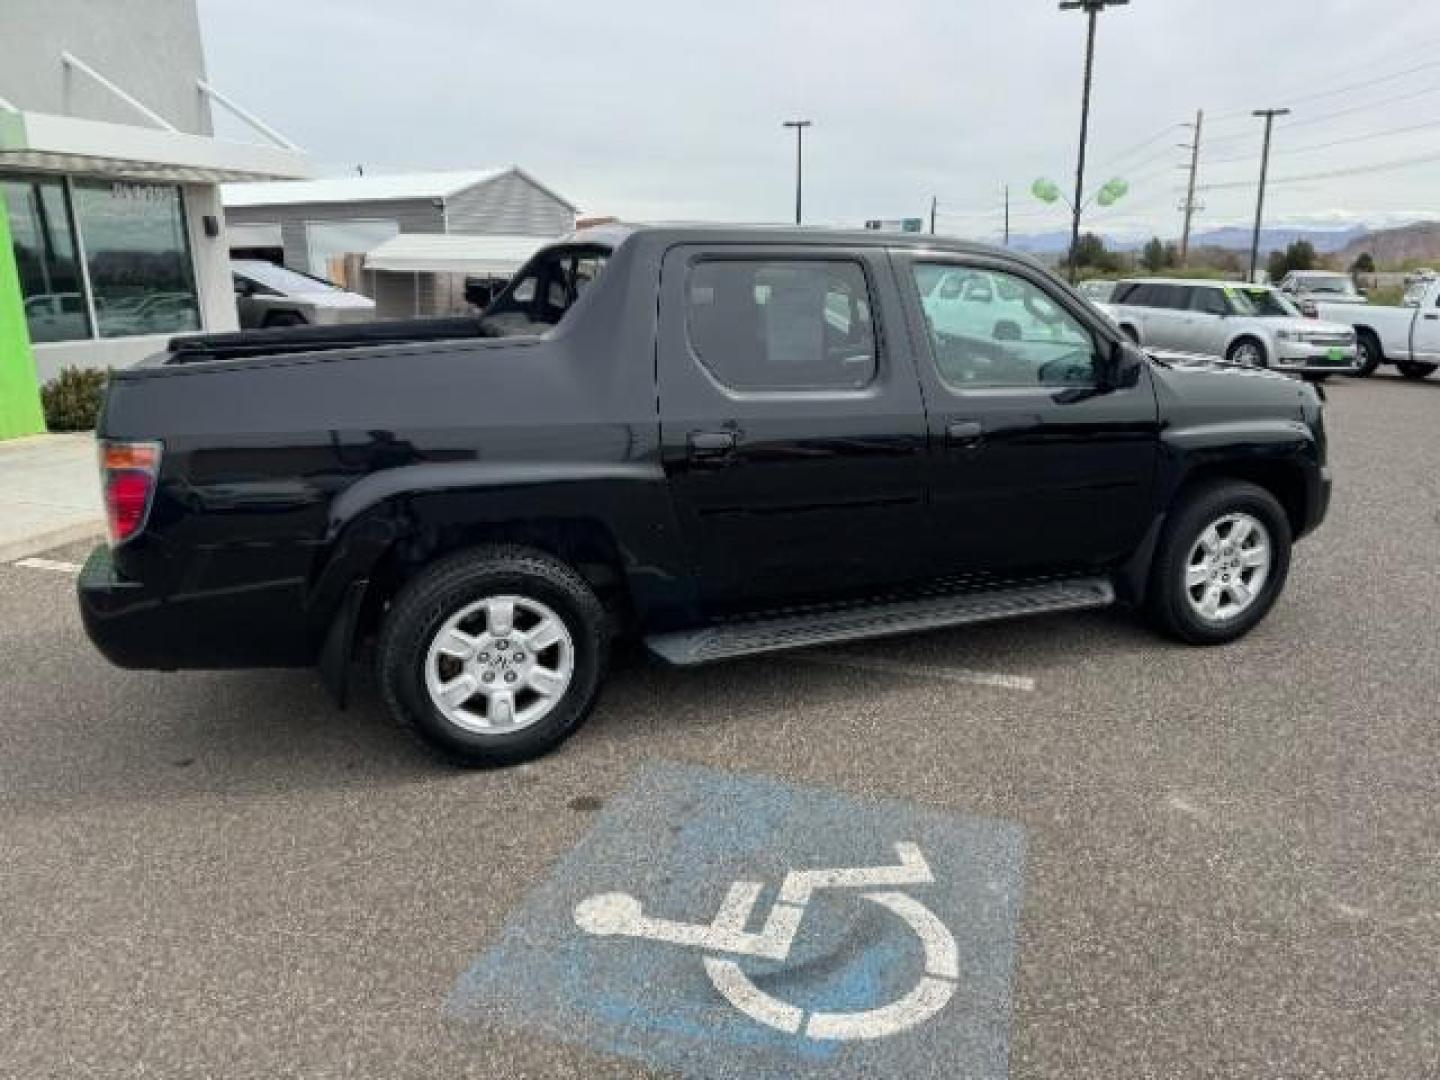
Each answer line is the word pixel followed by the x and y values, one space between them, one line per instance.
pixel 199 348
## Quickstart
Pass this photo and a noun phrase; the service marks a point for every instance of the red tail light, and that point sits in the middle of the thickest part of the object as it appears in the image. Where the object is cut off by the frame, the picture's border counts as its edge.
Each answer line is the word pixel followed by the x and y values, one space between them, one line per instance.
pixel 128 472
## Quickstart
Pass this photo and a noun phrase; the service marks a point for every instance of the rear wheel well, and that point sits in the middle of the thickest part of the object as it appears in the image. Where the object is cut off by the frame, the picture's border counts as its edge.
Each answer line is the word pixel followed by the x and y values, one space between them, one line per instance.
pixel 586 546
pixel 1285 482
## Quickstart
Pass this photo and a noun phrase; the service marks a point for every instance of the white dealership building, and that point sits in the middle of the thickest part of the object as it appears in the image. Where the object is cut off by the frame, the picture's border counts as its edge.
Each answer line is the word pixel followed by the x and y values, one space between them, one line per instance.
pixel 113 230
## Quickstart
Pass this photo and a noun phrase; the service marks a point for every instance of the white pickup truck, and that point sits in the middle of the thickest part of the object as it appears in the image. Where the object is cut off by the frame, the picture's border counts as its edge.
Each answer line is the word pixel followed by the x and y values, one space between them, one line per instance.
pixel 1406 336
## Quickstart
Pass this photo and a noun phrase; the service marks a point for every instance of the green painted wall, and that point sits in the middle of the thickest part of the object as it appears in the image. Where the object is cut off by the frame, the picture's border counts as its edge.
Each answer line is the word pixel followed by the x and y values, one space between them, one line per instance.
pixel 20 412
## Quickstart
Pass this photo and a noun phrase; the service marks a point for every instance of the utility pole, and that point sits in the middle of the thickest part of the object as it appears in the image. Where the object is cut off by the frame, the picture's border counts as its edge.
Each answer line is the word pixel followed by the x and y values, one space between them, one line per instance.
pixel 1007 215
pixel 1190 192
pixel 1269 115
pixel 799 126
pixel 1091 8
pixel 933 203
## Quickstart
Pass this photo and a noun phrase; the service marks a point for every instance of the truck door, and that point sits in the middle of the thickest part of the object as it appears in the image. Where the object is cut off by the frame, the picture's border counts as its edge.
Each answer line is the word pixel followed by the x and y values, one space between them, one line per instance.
pixel 1425 332
pixel 792 426
pixel 1034 467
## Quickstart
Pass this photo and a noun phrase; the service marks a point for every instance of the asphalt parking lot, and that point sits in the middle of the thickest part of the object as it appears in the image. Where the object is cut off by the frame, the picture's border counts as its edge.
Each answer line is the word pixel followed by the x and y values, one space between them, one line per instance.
pixel 1231 857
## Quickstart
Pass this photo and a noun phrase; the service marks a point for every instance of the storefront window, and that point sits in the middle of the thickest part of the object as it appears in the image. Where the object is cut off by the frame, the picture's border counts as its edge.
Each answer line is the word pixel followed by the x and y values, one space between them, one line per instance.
pixel 44 240
pixel 138 256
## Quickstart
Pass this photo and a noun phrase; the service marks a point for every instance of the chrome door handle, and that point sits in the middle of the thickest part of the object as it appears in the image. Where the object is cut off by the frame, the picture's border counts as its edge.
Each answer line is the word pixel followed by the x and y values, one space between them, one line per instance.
pixel 711 447
pixel 966 434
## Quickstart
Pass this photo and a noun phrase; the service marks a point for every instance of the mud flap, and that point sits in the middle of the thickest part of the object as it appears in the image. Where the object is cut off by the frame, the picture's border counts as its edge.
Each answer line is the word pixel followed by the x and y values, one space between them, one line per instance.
pixel 338 651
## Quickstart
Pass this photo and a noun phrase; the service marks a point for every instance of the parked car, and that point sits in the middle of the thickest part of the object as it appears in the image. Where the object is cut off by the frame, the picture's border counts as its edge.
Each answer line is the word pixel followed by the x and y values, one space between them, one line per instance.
pixel 56 316
pixel 267 295
pixel 1407 336
pixel 1252 325
pixel 733 441
pixel 1098 290
pixel 1309 287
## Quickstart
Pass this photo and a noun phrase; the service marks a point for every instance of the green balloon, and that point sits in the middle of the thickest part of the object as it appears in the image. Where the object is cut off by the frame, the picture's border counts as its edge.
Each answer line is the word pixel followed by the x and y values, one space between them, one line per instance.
pixel 1112 192
pixel 1045 190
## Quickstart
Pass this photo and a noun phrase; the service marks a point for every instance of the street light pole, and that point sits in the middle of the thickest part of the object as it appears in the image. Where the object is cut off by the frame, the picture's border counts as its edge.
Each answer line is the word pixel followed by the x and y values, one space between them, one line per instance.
pixel 1091 8
pixel 799 126
pixel 1269 115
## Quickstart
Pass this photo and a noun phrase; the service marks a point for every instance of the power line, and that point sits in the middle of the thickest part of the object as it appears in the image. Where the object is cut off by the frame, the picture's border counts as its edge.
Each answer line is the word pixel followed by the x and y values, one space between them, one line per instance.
pixel 1164 133
pixel 1308 147
pixel 1310 121
pixel 1332 174
pixel 1233 115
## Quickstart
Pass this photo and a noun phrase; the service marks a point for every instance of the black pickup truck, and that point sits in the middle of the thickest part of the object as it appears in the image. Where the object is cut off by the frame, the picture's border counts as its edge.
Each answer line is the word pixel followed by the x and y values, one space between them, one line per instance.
pixel 719 441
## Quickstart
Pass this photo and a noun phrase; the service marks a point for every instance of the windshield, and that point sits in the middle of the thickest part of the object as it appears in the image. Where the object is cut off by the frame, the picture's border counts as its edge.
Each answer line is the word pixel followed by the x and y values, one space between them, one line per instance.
pixel 1336 284
pixel 1263 303
pixel 282 280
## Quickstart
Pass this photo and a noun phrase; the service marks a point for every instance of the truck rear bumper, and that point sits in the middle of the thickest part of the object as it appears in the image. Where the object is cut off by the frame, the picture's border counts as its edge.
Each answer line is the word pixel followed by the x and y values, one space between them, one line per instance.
pixel 135 626
pixel 121 617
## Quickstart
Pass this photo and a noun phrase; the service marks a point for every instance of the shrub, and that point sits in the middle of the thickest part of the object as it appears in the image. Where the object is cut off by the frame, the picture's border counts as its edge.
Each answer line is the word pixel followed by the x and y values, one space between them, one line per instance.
pixel 72 399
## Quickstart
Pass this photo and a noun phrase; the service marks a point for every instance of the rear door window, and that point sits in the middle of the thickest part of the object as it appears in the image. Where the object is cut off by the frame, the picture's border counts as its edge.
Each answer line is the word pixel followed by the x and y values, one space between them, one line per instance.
pixel 782 324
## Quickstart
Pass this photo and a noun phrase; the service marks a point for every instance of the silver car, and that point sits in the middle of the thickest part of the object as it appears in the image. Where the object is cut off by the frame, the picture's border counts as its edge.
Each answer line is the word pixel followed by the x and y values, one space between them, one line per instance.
pixel 1253 325
pixel 267 295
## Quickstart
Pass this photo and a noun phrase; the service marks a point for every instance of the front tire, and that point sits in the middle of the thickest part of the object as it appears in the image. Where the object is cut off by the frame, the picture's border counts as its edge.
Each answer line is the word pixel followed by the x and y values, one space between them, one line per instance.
pixel 1414 369
pixel 1248 352
pixel 1369 354
pixel 1221 565
pixel 494 656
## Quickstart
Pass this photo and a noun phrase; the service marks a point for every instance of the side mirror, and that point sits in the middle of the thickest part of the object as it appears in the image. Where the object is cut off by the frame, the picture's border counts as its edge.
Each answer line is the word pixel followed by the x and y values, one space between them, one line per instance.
pixel 1122 366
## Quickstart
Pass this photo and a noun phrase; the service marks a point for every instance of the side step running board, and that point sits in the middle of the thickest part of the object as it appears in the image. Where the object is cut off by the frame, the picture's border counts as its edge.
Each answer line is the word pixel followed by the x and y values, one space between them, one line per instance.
pixel 725 640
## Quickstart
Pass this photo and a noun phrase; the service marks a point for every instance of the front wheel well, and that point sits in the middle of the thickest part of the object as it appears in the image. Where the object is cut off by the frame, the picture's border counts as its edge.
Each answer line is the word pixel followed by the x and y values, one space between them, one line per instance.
pixel 1285 482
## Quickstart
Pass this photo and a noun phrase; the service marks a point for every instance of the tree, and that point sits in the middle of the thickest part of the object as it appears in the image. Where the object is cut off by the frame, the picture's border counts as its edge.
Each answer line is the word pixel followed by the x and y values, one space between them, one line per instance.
pixel 1090 251
pixel 1172 254
pixel 1364 264
pixel 1301 255
pixel 1298 256
pixel 1153 255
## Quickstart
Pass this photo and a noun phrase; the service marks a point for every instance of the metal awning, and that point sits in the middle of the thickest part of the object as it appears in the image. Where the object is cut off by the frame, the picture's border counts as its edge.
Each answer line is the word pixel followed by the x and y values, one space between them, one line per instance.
pixel 50 143
pixel 449 253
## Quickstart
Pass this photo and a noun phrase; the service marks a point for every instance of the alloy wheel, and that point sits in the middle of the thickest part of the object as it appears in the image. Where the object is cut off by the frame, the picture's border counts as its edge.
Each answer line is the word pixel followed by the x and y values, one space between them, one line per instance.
pixel 499 665
pixel 1228 566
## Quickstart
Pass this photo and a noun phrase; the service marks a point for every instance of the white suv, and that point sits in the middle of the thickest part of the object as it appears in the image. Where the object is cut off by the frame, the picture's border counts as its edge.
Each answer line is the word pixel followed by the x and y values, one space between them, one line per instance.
pixel 1253 325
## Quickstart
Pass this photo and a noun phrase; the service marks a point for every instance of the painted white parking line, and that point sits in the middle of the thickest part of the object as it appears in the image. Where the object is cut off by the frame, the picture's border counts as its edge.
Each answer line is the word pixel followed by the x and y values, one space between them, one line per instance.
pixel 996 679
pixel 48 564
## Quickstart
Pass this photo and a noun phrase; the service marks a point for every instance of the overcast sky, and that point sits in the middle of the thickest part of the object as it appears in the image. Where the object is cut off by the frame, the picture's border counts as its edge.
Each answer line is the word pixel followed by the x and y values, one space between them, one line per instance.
pixel 665 109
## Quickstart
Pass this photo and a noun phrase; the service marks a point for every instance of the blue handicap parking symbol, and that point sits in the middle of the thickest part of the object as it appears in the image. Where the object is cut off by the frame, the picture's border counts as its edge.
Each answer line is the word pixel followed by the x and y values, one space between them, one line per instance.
pixel 734 926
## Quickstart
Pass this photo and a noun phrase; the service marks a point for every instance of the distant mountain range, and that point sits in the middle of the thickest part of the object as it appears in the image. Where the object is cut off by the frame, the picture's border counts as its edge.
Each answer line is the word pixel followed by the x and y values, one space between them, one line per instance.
pixel 1235 238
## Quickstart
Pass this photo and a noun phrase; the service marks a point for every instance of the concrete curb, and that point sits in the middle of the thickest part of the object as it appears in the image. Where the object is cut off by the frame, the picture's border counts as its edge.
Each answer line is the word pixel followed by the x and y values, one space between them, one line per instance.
pixel 39 542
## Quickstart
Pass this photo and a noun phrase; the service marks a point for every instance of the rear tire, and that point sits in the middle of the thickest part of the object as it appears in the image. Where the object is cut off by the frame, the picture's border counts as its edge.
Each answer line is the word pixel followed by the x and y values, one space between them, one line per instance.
pixel 1213 545
pixel 449 660
pixel 1368 354
pixel 1414 369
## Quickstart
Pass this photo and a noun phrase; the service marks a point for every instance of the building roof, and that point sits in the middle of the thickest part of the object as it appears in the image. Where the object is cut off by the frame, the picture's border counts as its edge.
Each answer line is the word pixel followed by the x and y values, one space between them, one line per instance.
pixel 343 189
pixel 480 255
